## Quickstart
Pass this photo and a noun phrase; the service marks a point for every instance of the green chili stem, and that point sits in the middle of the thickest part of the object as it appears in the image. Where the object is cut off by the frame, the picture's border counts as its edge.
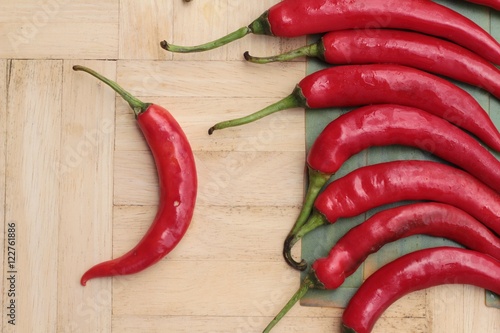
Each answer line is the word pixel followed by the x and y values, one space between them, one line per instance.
pixel 136 105
pixel 295 99
pixel 316 220
pixel 311 50
pixel 304 287
pixel 316 182
pixel 240 33
pixel 260 26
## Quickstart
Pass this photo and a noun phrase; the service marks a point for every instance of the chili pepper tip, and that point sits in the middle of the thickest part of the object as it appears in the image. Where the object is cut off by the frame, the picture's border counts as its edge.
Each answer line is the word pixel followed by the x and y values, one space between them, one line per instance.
pixel 83 280
pixel 211 130
pixel 164 44
pixel 257 60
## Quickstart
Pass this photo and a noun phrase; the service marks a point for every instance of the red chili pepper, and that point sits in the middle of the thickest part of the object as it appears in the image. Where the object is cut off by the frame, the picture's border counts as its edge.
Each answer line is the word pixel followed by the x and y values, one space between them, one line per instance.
pixel 379 184
pixel 177 181
pixel 382 125
pixel 351 250
pixel 399 47
pixel 354 85
pixel 292 18
pixel 416 271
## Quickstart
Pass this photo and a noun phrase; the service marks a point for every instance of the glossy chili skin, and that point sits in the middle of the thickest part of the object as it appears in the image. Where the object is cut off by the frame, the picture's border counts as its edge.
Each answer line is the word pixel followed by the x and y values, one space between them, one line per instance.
pixel 292 18
pixel 355 85
pixel 376 185
pixel 410 49
pixel 382 125
pixel 416 271
pixel 178 186
pixel 379 184
pixel 429 218
pixel 176 169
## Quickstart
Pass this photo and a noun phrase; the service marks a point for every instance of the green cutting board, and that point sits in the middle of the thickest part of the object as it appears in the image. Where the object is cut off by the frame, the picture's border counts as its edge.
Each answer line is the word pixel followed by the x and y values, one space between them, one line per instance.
pixel 318 243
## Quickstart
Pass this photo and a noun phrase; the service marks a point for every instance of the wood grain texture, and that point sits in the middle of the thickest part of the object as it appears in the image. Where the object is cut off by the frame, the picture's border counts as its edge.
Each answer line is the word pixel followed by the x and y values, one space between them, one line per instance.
pixel 59 29
pixel 142 25
pixel 79 181
pixel 85 177
pixel 32 192
pixel 228 79
pixel 4 70
pixel 282 131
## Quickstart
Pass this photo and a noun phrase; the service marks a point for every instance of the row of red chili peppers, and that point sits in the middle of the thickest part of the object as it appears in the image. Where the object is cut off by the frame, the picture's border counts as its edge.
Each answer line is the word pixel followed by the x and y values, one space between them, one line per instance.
pixel 406 97
pixel 369 126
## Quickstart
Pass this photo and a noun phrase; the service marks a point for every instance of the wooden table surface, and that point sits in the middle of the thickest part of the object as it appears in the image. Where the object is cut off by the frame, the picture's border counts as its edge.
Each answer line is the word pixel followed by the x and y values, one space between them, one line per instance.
pixel 78 184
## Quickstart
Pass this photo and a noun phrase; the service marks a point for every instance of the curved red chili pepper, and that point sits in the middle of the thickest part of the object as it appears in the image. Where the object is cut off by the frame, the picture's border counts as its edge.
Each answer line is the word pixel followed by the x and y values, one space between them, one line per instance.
pixel 430 218
pixel 406 48
pixel 379 184
pixel 293 18
pixel 416 271
pixel 382 125
pixel 177 181
pixel 354 85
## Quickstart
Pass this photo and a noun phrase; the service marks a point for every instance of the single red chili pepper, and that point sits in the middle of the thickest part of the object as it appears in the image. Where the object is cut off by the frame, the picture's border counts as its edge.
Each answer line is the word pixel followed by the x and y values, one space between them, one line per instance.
pixel 379 184
pixel 352 249
pixel 177 178
pixel 293 18
pixel 416 271
pixel 406 48
pixel 382 125
pixel 354 85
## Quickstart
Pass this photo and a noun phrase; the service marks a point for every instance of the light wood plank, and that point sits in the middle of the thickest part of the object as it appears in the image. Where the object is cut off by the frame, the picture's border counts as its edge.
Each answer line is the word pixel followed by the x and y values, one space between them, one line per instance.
pixel 397 325
pixel 199 22
pixel 210 288
pixel 247 324
pixel 446 308
pixel 59 29
pixel 233 292
pixel 143 24
pixel 215 324
pixel 32 192
pixel 413 305
pixel 241 227
pixel 85 176
pixel 228 79
pixel 225 178
pixel 4 70
pixel 478 317
pixel 283 131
